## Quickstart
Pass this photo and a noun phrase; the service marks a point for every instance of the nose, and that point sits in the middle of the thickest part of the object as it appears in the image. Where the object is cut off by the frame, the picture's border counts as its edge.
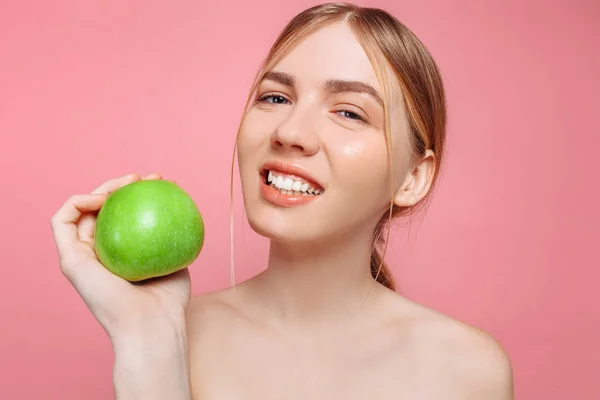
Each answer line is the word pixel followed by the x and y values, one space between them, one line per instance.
pixel 296 133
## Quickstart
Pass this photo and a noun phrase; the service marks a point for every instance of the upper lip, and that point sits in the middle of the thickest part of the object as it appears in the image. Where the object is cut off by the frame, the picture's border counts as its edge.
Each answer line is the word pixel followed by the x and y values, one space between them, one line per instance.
pixel 290 169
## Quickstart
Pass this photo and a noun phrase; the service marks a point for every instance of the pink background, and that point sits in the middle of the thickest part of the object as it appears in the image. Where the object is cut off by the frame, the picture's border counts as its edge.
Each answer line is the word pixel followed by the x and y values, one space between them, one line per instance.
pixel 95 90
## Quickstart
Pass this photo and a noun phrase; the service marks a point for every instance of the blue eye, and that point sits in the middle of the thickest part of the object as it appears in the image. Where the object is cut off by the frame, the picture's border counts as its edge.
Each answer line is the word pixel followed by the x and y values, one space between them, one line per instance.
pixel 350 115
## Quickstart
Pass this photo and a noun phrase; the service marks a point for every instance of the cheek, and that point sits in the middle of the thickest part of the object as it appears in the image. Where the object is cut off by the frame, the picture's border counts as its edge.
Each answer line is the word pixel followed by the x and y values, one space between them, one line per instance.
pixel 252 136
pixel 353 150
pixel 363 165
pixel 257 127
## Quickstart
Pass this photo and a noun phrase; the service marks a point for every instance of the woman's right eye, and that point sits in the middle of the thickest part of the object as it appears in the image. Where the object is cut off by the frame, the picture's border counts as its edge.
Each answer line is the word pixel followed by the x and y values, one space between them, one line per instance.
pixel 273 99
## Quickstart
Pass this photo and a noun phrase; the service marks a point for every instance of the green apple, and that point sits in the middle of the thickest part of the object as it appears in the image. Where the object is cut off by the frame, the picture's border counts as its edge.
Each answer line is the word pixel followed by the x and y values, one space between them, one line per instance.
pixel 147 229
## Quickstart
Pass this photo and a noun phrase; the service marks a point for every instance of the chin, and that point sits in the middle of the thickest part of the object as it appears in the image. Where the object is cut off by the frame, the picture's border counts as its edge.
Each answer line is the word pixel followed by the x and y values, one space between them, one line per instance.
pixel 284 226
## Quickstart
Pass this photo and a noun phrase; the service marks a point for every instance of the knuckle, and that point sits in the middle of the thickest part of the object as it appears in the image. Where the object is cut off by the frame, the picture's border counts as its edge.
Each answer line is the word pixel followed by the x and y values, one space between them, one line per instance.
pixel 54 221
pixel 68 203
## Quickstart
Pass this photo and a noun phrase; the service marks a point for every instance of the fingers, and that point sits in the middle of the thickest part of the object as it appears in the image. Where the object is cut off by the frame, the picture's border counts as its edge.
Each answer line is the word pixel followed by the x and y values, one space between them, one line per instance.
pixel 114 184
pixel 64 222
pixel 73 229
pixel 152 176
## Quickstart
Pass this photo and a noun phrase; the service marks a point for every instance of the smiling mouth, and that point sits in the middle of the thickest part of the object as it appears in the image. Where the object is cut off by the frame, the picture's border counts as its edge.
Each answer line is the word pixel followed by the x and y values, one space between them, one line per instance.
pixel 290 185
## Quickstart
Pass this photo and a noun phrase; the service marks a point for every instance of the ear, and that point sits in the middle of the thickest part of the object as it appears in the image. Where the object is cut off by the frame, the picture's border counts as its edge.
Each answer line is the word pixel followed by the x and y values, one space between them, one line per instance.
pixel 417 183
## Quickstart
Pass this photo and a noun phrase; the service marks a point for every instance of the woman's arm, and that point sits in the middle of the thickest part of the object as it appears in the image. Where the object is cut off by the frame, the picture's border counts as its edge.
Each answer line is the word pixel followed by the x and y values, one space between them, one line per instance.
pixel 145 321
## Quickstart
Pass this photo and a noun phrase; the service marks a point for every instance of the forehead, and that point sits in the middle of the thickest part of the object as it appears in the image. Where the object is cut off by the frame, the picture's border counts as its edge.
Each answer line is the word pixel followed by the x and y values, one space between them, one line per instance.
pixel 332 52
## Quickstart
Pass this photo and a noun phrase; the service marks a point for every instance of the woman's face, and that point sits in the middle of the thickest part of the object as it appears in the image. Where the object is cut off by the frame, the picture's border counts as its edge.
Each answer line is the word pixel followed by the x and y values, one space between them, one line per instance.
pixel 312 149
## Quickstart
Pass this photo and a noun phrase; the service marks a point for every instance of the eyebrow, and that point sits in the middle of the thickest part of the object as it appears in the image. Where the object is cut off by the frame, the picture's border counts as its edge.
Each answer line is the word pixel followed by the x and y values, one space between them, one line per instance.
pixel 280 77
pixel 331 86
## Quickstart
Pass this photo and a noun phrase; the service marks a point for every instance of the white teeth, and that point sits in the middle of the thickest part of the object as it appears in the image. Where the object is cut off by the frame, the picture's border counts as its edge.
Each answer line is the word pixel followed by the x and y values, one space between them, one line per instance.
pixel 279 182
pixel 288 183
pixel 290 186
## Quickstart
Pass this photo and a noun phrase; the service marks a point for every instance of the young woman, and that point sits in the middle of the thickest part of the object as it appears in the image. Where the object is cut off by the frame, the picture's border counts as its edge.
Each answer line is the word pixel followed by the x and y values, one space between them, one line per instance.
pixel 343 131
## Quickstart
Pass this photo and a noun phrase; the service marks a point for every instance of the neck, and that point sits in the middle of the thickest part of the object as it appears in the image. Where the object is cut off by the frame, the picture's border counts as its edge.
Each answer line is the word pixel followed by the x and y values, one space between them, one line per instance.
pixel 318 282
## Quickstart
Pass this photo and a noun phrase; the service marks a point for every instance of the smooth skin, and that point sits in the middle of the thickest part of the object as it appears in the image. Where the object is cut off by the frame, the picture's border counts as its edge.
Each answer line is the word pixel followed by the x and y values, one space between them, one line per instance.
pixel 314 324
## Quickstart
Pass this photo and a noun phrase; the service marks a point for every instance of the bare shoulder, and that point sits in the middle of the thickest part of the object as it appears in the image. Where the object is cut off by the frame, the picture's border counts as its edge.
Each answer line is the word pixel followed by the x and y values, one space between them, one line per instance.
pixel 467 359
pixel 215 335
pixel 212 310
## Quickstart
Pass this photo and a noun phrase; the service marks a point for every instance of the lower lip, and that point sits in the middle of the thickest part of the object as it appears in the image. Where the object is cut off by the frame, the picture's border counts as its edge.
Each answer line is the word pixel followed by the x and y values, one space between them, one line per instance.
pixel 274 196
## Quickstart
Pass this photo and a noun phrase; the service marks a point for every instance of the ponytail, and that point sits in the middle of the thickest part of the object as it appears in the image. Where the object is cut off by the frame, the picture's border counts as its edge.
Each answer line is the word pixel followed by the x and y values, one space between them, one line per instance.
pixel 380 271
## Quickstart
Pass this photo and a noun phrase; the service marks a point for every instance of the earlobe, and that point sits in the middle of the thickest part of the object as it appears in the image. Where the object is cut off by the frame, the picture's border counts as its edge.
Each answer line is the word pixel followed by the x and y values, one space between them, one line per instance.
pixel 417 183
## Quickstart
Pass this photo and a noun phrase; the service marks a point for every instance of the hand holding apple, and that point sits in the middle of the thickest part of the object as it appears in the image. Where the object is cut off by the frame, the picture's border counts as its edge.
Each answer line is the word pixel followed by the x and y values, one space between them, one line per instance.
pixel 119 305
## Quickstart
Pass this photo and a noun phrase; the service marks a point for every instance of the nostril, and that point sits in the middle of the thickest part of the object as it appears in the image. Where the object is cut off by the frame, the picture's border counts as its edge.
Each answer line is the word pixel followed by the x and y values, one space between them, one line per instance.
pixel 279 145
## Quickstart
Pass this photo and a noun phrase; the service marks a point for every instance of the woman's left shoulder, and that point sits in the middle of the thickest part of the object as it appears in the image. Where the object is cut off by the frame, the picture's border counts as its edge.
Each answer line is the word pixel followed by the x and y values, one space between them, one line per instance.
pixel 471 359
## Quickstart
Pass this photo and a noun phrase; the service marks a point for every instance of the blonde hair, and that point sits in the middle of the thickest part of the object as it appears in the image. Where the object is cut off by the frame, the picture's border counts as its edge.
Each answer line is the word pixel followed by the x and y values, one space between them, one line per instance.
pixel 388 44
